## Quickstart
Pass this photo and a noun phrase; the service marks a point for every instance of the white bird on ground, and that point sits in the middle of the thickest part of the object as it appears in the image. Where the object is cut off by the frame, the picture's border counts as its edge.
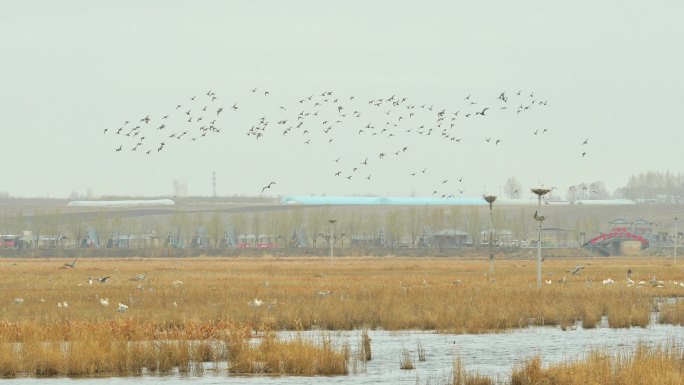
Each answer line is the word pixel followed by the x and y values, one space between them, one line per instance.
pixel 177 283
pixel 122 308
pixel 256 302
pixel 563 280
pixel 104 302
pixel 18 301
pixel 630 282
pixel 608 281
pixel 548 282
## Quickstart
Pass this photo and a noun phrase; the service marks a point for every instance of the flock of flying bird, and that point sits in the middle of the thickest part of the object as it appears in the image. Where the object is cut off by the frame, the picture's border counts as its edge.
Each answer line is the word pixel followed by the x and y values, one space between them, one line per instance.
pixel 319 119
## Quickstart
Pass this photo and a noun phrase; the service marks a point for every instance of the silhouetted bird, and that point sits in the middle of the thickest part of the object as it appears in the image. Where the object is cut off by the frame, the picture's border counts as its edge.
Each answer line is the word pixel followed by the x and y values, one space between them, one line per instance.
pixel 268 186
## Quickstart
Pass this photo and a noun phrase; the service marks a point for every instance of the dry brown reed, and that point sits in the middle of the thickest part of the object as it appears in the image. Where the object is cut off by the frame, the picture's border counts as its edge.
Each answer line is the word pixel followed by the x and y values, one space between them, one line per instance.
pixel 365 351
pixel 406 361
pixel 420 349
pixel 294 357
pixel 460 375
pixel 311 293
pixel 662 365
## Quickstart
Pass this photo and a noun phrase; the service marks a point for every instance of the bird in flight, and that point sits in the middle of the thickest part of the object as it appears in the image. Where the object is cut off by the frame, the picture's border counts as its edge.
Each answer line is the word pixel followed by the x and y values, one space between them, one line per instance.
pixel 585 141
pixel 71 265
pixel 482 112
pixel 268 186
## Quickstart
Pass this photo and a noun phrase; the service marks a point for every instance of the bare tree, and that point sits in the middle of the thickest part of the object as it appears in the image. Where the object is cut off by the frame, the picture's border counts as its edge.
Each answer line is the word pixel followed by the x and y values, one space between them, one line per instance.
pixel 180 189
pixel 512 188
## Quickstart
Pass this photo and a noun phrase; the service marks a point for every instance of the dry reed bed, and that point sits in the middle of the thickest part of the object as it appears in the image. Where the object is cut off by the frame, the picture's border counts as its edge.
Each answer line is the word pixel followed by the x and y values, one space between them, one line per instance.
pixel 109 349
pixel 644 365
pixel 350 293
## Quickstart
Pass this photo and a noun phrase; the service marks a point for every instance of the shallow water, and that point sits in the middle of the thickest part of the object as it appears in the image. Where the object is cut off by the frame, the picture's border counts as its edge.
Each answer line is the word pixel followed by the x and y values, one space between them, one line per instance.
pixel 493 354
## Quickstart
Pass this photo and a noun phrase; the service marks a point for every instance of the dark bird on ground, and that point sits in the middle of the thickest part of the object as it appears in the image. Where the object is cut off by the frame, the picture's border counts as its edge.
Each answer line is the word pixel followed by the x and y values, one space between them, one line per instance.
pixel 268 186
pixel 101 280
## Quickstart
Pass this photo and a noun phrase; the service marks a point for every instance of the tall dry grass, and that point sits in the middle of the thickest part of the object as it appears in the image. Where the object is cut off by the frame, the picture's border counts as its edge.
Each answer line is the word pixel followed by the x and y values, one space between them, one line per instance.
pixel 661 365
pixel 350 293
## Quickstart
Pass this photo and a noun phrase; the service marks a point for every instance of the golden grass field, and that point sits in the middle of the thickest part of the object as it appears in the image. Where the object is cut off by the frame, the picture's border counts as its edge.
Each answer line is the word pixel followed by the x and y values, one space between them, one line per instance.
pixel 188 311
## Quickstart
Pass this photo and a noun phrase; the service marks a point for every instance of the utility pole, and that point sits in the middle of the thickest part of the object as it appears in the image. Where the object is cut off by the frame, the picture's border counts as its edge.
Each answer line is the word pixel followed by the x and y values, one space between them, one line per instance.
pixel 537 215
pixel 490 199
pixel 332 237
pixel 675 240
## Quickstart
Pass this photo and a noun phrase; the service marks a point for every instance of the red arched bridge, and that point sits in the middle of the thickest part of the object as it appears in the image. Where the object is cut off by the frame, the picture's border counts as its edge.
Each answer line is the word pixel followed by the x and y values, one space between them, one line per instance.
pixel 616 235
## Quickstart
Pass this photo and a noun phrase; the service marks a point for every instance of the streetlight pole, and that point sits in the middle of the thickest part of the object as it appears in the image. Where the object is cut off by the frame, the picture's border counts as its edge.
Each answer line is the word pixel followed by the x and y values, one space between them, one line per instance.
pixel 490 199
pixel 332 237
pixel 675 240
pixel 537 215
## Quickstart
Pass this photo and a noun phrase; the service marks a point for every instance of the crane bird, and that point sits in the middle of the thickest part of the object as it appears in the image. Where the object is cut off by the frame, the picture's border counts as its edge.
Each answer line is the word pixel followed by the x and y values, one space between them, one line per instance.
pixel 576 270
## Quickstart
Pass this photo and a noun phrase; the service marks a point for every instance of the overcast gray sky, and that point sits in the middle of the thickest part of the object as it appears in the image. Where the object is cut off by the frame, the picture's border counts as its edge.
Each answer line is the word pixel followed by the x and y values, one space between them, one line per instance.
pixel 610 71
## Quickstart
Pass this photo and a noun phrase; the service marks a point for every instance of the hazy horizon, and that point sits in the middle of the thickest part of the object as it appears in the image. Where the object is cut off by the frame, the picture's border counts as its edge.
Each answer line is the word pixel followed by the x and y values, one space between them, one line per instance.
pixel 608 73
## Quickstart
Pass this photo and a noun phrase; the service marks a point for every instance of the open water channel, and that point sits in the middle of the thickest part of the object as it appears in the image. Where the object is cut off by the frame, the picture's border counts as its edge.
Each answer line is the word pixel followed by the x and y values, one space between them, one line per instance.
pixel 493 354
